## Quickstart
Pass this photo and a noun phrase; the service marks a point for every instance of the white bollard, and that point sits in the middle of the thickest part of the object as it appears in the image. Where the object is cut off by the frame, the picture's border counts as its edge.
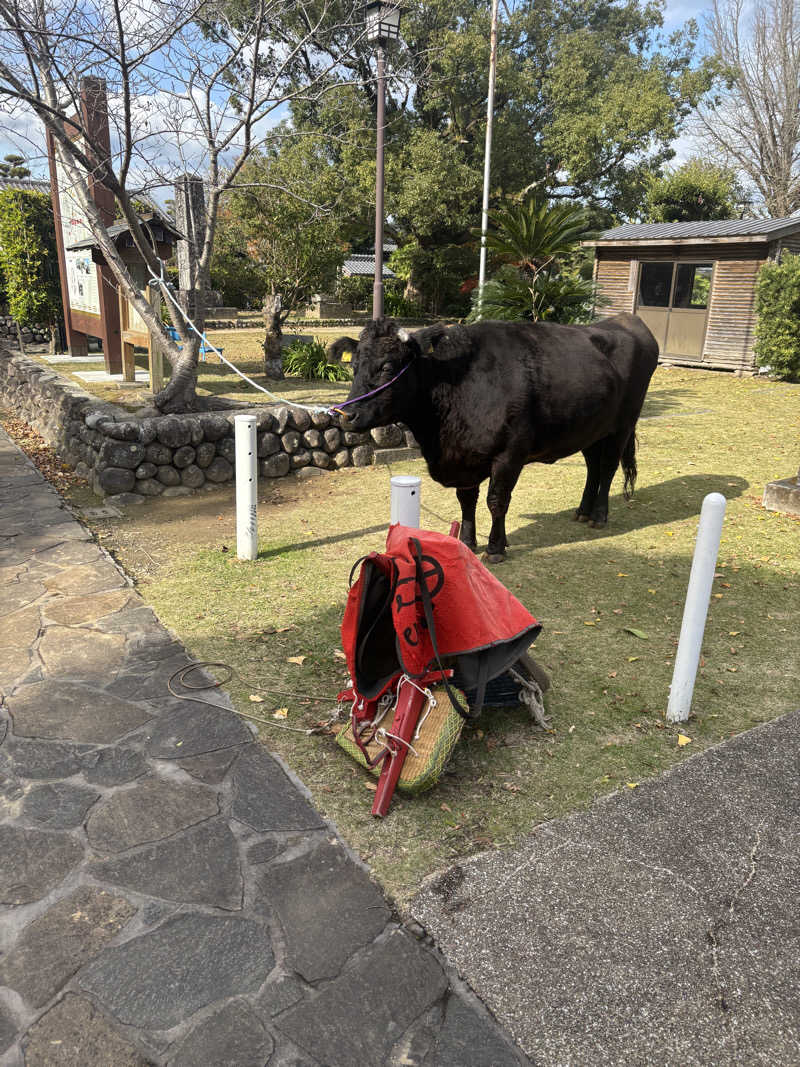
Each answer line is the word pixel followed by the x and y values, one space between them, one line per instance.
pixel 695 611
pixel 246 486
pixel 406 500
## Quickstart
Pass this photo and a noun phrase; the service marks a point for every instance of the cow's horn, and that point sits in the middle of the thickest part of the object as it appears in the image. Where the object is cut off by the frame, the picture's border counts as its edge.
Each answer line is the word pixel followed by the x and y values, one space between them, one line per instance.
pixel 403 335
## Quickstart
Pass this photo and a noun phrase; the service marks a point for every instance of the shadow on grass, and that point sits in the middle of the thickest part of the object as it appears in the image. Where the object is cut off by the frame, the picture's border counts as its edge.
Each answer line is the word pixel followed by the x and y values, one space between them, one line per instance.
pixel 664 401
pixel 653 505
pixel 320 542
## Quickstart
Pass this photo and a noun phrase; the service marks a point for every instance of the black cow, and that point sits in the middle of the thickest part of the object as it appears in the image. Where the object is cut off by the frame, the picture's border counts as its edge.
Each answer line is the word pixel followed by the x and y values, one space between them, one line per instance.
pixel 484 400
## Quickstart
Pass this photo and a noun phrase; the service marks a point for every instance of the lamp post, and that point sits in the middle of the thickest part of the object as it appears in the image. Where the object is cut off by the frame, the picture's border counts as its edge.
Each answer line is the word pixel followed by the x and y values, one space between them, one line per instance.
pixel 383 25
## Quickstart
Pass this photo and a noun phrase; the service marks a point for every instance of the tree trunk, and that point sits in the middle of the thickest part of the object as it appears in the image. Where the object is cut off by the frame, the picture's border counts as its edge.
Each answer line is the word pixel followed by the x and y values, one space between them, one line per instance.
pixel 412 290
pixel 179 394
pixel 273 353
pixel 53 342
pixel 19 339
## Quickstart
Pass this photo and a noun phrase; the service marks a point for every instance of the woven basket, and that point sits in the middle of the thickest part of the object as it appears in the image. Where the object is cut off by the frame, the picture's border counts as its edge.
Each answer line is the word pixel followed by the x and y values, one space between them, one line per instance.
pixel 438 735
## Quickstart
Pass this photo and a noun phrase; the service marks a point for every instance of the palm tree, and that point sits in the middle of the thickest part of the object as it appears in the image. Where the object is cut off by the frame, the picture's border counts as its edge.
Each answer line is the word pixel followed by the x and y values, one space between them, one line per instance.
pixel 527 240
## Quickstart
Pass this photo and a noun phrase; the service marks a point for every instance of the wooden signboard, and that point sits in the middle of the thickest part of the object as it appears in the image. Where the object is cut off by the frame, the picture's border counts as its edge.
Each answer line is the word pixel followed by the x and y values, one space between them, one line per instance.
pixel 88 291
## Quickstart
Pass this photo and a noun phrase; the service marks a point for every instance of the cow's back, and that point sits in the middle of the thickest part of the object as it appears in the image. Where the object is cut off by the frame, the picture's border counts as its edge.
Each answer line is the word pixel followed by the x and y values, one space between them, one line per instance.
pixel 550 389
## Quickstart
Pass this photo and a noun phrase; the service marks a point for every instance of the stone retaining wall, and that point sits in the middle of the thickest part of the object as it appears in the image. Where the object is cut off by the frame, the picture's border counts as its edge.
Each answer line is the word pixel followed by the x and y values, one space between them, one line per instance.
pixel 8 328
pixel 173 455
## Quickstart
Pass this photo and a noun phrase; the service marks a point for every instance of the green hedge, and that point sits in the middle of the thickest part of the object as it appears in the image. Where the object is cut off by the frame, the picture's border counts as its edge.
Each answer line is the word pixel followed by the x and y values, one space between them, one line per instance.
pixel 777 344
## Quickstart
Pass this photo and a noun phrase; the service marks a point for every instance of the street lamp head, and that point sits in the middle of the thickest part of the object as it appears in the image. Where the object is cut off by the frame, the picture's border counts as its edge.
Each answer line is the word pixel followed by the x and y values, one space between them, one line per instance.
pixel 383 21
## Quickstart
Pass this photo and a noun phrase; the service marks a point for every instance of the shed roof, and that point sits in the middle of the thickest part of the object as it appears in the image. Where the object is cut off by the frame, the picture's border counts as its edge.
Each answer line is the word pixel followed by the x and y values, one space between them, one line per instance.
pixel 698 232
pixel 363 266
pixel 119 228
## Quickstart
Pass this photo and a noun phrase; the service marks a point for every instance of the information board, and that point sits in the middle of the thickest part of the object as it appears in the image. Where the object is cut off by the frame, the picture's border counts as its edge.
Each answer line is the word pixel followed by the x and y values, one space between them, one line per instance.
pixel 81 271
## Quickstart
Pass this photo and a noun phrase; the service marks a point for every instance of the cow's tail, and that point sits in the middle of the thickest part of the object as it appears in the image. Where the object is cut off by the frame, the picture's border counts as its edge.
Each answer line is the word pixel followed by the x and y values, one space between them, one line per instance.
pixel 629 465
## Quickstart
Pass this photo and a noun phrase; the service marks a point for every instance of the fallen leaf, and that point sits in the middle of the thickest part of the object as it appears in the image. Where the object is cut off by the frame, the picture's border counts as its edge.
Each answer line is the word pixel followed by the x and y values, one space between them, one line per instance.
pixel 479 734
pixel 339 655
pixel 718 596
pixel 585 623
pixel 612 674
pixel 632 659
pixel 299 660
pixel 372 786
pixel 617 611
pixel 256 698
pixel 621 575
pixel 571 730
pixel 734 633
pixel 637 633
pixel 733 670
pixel 632 785
pixel 280 713
pixel 683 740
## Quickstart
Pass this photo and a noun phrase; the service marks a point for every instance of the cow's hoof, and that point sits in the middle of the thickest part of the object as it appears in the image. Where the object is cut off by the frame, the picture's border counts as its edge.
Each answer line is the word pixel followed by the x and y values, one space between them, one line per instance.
pixel 598 524
pixel 494 557
pixel 580 517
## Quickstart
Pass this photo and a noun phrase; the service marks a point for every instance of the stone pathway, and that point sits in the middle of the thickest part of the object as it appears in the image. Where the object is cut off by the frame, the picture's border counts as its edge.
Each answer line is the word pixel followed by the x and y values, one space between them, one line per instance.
pixel 168 895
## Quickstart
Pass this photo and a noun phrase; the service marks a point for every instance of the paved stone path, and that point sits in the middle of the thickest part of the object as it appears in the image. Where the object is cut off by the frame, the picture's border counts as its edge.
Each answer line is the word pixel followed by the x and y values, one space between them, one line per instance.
pixel 168 895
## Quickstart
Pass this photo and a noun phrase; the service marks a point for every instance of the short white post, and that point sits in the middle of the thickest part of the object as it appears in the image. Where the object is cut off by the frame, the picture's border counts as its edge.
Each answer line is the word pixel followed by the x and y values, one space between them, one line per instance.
pixel 695 610
pixel 246 486
pixel 406 499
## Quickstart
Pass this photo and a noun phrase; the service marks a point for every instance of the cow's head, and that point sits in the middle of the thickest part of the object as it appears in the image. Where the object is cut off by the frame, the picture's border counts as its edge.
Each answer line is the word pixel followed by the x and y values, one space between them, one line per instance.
pixel 382 352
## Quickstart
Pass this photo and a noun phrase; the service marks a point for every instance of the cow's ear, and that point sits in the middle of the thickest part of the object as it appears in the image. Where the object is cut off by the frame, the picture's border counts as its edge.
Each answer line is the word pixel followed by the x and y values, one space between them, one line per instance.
pixel 427 339
pixel 342 344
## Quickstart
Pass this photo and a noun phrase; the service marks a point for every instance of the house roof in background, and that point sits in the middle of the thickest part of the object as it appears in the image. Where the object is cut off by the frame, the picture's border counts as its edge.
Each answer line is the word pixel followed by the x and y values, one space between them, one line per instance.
pixel 722 230
pixel 25 185
pixel 363 266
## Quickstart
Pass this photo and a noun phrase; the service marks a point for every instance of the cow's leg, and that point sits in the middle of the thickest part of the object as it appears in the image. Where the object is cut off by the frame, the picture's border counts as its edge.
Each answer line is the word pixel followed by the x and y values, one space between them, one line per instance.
pixel 592 457
pixel 468 498
pixel 607 463
pixel 504 477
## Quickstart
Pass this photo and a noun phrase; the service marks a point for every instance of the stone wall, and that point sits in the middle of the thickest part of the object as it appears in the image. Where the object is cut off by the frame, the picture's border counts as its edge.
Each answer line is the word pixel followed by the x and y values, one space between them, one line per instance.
pixel 36 335
pixel 173 455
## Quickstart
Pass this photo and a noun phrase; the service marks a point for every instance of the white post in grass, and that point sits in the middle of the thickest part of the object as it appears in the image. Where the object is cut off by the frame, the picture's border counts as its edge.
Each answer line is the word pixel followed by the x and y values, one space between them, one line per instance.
pixel 695 611
pixel 406 499
pixel 246 486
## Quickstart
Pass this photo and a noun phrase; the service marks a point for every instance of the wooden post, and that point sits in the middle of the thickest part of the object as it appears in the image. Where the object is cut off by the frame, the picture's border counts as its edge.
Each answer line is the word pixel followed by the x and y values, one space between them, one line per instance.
pixel 128 357
pixel 155 357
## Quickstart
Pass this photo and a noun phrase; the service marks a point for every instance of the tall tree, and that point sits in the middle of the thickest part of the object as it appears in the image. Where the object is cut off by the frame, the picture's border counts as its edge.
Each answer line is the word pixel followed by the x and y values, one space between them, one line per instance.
pixel 752 119
pixel 28 261
pixel 697 191
pixel 292 242
pixel 195 86
pixel 589 98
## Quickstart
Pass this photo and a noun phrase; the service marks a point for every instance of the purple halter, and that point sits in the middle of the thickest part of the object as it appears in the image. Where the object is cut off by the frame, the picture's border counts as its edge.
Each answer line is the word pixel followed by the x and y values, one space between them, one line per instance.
pixel 364 396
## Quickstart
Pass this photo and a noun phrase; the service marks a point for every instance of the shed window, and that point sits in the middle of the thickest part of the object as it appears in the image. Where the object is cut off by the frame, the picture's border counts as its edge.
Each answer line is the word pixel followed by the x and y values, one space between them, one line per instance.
pixel 692 285
pixel 675 285
pixel 655 283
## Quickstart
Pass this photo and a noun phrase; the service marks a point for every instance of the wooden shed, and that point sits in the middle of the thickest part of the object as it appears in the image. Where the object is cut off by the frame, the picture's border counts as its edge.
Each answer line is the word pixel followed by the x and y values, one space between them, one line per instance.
pixel 693 283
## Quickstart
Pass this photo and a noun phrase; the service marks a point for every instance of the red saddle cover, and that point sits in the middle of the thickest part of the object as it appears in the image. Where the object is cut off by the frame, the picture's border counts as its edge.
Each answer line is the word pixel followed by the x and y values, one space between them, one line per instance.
pixel 478 625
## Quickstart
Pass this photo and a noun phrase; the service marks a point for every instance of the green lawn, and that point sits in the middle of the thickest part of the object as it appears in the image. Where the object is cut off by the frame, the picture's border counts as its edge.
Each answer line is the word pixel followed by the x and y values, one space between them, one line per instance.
pixel 703 432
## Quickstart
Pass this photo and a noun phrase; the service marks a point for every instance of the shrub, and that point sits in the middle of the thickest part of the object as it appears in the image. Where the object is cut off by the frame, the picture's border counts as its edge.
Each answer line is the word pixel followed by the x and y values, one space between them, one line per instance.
pixel 396 305
pixel 309 360
pixel 777 344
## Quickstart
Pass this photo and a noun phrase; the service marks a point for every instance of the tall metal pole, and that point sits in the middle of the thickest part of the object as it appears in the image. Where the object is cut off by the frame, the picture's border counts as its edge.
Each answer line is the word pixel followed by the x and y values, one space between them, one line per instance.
pixel 487 158
pixel 377 289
